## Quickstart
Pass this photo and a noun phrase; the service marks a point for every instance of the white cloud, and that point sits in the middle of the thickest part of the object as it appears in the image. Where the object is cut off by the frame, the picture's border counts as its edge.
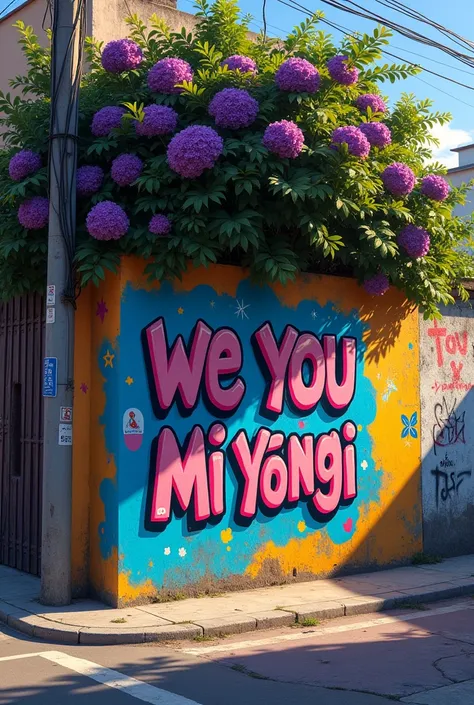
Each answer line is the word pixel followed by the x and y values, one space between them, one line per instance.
pixel 449 137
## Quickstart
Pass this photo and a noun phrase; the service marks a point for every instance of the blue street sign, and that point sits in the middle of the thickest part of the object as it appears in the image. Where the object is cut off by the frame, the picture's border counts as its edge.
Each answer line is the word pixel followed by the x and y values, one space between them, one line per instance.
pixel 50 377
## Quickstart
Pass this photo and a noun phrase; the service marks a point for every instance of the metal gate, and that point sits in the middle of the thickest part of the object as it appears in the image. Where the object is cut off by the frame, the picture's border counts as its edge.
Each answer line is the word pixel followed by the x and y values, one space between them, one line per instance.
pixel 21 431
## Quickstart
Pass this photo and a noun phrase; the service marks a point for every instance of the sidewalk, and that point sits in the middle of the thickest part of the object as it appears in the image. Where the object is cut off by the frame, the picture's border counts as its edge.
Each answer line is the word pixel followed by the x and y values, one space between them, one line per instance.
pixel 91 622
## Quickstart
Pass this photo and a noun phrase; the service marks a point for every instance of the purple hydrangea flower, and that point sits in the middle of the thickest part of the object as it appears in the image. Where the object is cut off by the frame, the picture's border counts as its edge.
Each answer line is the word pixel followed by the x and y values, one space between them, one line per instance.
pixel 233 108
pixel 158 120
pixel 159 225
pixel 121 55
pixel 435 187
pixel 377 133
pixel 357 143
pixel 107 221
pixel 33 213
pixel 399 179
pixel 377 285
pixel 193 150
pixel 89 180
pixel 125 169
pixel 106 120
pixel 341 72
pixel 23 164
pixel 237 62
pixel 284 138
pixel 164 76
pixel 372 101
pixel 298 75
pixel 415 241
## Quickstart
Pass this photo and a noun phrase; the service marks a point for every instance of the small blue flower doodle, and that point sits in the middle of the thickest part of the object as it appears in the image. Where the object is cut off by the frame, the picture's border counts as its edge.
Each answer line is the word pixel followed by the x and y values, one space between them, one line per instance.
pixel 409 425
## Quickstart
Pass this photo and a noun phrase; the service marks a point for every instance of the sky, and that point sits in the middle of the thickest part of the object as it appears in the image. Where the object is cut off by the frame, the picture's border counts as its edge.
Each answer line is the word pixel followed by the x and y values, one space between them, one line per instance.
pixel 457 15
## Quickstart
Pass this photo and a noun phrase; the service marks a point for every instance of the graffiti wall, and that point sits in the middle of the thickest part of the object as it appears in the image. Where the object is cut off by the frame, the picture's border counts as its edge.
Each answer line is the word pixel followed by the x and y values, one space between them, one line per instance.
pixel 447 400
pixel 251 435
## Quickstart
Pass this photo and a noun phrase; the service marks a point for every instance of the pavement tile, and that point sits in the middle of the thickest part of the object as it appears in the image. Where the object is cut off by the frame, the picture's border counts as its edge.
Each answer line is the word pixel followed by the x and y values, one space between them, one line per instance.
pixel 441 591
pixel 366 604
pixel 173 632
pixel 105 637
pixel 317 610
pixel 457 694
pixel 272 619
pixel 227 625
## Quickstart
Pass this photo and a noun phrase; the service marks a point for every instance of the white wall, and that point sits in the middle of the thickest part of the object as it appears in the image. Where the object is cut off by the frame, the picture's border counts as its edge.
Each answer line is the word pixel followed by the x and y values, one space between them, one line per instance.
pixel 457 178
pixel 447 431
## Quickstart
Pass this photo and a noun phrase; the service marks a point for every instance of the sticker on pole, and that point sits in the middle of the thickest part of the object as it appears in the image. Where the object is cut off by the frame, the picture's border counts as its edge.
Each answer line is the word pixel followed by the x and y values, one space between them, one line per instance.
pixel 50 315
pixel 65 434
pixel 50 295
pixel 133 427
pixel 65 414
pixel 50 377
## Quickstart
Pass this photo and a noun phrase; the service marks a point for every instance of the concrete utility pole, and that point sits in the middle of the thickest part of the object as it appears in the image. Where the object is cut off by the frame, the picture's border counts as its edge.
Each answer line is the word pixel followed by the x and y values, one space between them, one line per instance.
pixel 66 63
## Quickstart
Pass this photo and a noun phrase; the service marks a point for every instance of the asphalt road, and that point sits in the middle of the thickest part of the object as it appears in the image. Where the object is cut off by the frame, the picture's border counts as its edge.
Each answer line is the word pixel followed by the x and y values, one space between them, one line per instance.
pixel 416 656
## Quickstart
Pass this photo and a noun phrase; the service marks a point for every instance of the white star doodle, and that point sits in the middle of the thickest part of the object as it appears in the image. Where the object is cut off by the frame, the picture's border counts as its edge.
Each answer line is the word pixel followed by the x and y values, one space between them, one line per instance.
pixel 313 314
pixel 240 311
pixel 212 304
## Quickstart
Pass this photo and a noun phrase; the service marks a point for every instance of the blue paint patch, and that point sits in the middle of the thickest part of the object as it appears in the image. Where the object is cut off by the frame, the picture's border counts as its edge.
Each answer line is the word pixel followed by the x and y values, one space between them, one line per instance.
pixel 205 551
pixel 108 529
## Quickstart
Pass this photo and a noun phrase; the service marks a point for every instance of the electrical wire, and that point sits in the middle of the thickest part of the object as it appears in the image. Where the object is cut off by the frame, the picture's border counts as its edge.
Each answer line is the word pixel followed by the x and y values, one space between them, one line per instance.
pixel 294 5
pixel 4 12
pixel 264 17
pixel 360 11
pixel 348 32
pixel 420 17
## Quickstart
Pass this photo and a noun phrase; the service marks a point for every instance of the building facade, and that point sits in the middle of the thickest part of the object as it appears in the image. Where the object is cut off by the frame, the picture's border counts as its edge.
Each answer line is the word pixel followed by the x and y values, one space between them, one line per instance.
pixel 462 173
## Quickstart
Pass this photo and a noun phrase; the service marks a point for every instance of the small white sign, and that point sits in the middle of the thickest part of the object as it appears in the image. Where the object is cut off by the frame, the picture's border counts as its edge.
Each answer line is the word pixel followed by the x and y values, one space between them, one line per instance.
pixel 50 315
pixel 65 434
pixel 50 295
pixel 65 415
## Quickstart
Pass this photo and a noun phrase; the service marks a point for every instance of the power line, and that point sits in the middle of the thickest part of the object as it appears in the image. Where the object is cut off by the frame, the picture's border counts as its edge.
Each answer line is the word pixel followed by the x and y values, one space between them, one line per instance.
pixel 347 32
pixel 4 11
pixel 407 32
pixel 294 5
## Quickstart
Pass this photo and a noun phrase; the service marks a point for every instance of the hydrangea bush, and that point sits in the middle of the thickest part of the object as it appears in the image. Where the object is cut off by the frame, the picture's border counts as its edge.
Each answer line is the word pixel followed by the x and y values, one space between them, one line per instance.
pixel 283 156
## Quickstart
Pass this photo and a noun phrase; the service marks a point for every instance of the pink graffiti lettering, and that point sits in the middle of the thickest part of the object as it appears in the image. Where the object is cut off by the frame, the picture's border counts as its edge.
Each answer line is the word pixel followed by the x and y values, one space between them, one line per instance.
pixel 456 370
pixel 173 372
pixel 454 342
pixel 249 464
pixel 216 482
pixel 301 466
pixel 184 478
pixel 340 395
pixel 224 358
pixel 276 359
pixel 307 348
pixel 437 334
pixel 287 361
pixel 328 467
pixel 273 493
pixel 328 474
pixel 178 376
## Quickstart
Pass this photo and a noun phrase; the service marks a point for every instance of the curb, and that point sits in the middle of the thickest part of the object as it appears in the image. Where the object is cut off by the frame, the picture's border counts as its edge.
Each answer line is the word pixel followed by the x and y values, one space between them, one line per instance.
pixel 41 628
